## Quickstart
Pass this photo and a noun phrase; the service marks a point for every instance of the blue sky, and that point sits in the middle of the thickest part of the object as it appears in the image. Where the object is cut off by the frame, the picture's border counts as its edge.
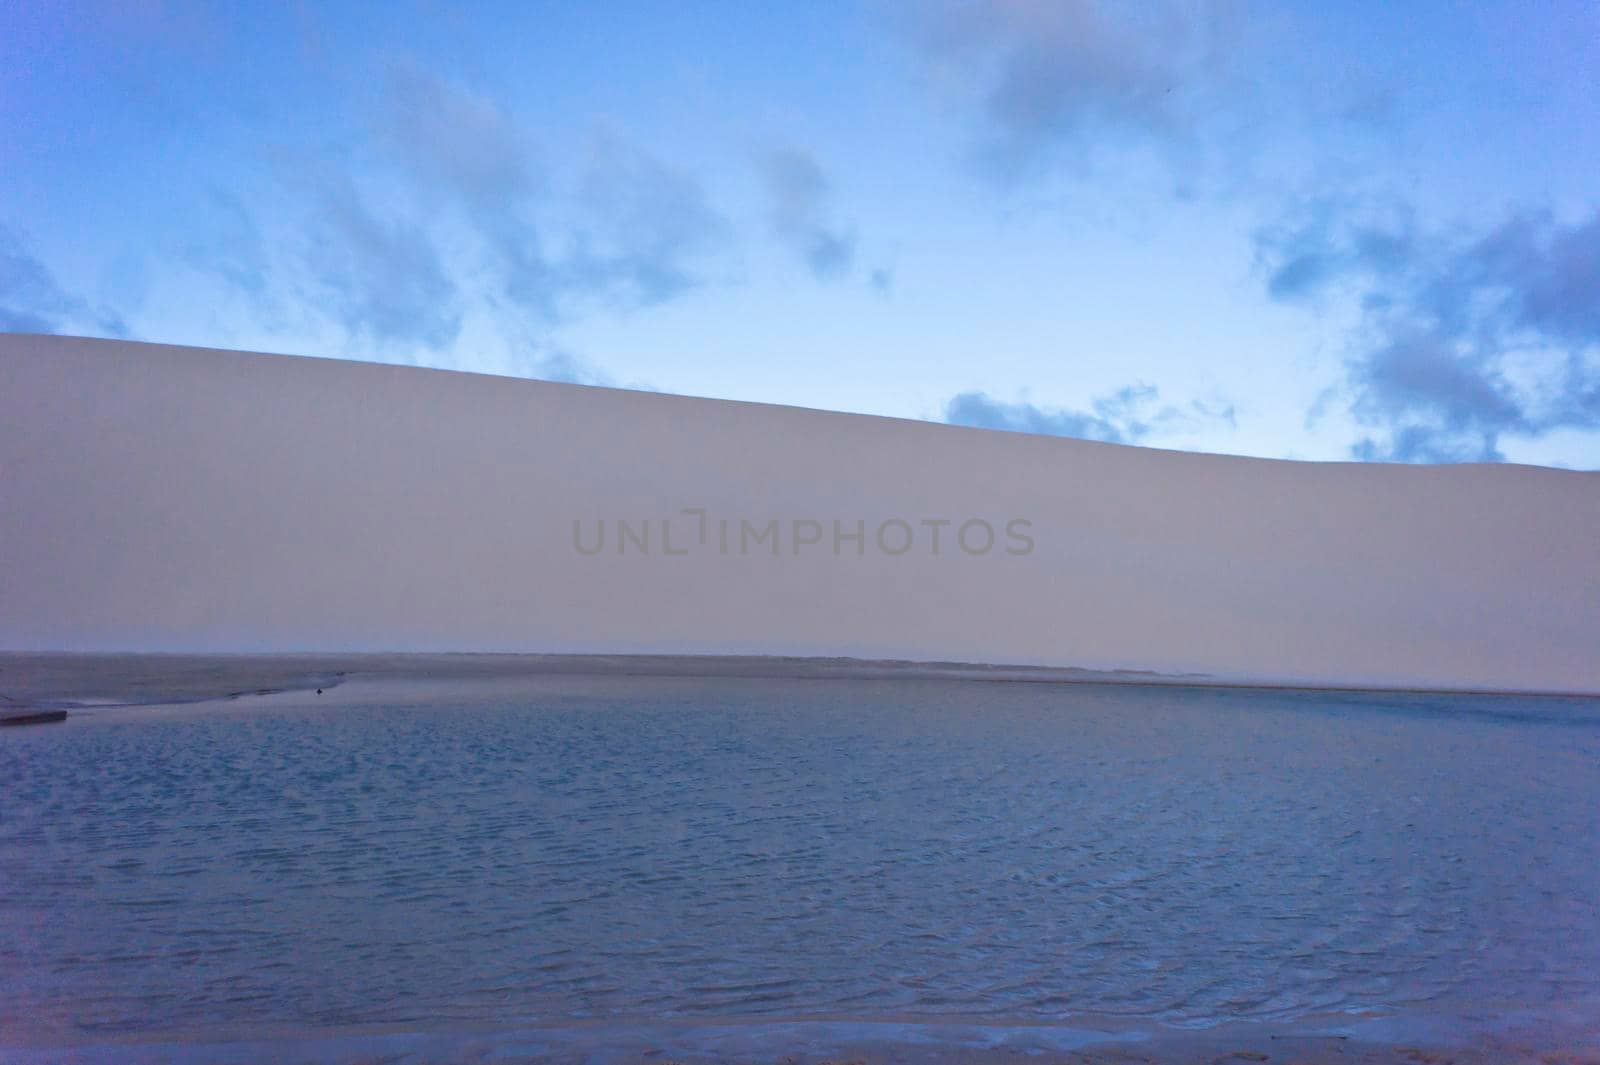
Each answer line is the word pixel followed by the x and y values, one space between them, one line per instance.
pixel 1322 230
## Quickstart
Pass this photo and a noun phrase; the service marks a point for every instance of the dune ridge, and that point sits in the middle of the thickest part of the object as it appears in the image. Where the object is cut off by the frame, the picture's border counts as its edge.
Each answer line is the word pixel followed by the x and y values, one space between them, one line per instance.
pixel 163 498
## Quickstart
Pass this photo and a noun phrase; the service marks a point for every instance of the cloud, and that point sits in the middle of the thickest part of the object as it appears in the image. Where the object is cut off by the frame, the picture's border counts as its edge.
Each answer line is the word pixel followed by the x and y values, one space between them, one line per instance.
pixel 1326 242
pixel 633 232
pixel 523 351
pixel 233 246
pixel 1551 275
pixel 1441 407
pixel 1127 416
pixel 645 229
pixel 31 301
pixel 570 368
pixel 456 140
pixel 438 224
pixel 798 192
pixel 460 149
pixel 383 277
pixel 1055 80
pixel 1462 337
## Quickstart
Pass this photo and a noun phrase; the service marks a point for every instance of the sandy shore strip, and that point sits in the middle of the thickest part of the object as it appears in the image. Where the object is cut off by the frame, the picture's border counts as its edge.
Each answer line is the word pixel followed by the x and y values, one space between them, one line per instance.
pixel 70 679
pixel 32 681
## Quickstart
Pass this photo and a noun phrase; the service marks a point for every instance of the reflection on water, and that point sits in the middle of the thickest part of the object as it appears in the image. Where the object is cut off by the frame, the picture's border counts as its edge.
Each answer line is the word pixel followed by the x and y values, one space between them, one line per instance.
pixel 558 848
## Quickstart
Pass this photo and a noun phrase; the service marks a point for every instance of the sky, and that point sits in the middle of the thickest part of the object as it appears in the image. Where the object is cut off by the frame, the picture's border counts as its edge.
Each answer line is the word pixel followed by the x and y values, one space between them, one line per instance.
pixel 1325 230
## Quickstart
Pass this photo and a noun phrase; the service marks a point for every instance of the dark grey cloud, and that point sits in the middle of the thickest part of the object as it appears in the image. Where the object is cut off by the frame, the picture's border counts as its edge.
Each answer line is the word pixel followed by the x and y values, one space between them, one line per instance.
pixel 1056 79
pixel 798 193
pixel 1463 337
pixel 32 301
pixel 1126 416
pixel 1439 406
pixel 1550 274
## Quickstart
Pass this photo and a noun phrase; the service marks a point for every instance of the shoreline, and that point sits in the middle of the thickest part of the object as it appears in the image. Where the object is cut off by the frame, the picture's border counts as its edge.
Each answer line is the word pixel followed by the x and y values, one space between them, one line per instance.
pixel 94 680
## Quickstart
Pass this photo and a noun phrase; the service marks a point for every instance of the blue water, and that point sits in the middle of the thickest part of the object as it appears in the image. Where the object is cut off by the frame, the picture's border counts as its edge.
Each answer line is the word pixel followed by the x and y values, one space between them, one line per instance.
pixel 555 848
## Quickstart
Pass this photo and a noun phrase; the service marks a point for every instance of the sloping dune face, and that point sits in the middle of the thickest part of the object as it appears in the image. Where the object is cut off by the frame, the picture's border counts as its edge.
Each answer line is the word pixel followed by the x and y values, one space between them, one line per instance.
pixel 166 498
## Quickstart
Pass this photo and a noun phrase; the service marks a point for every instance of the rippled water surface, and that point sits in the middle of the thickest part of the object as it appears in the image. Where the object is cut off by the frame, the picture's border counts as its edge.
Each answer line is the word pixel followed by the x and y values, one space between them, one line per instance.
pixel 559 848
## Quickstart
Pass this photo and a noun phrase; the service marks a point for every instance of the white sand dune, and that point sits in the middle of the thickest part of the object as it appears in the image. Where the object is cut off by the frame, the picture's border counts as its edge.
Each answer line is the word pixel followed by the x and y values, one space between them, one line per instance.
pixel 166 498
